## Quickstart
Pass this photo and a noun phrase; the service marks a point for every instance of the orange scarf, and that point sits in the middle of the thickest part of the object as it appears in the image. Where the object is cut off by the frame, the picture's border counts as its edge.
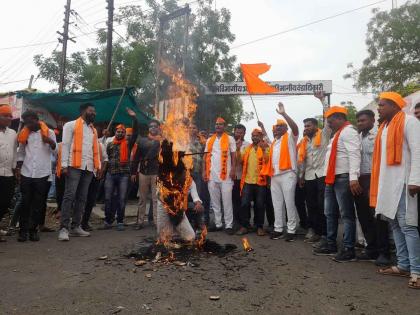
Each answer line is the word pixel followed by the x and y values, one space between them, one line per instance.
pixel 224 145
pixel 123 149
pixel 24 133
pixel 260 158
pixel 394 149
pixel 285 163
pixel 78 143
pixel 304 144
pixel 330 178
pixel 58 166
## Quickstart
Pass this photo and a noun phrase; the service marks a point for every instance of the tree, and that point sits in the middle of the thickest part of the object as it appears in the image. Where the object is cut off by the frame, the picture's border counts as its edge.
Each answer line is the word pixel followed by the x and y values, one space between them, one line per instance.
pixel 393 41
pixel 208 57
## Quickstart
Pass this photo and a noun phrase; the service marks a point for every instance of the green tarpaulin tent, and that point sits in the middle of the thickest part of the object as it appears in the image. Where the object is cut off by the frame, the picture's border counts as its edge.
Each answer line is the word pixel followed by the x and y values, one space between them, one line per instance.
pixel 67 104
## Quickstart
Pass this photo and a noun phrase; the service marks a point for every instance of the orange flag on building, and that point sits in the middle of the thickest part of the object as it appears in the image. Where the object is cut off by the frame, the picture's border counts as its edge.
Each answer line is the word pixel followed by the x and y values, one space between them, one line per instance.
pixel 254 84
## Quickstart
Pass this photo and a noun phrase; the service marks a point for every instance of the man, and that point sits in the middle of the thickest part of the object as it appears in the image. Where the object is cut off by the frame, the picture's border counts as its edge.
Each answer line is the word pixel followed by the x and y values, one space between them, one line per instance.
pixel 374 230
pixel 239 132
pixel 219 172
pixel 8 146
pixel 417 111
pixel 395 181
pixel 311 157
pixel 80 161
pixel 36 144
pixel 145 165
pixel 253 183
pixel 341 170
pixel 282 168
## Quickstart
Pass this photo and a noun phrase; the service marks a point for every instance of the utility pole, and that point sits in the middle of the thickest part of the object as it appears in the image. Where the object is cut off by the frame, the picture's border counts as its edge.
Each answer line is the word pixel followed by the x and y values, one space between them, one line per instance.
pixel 110 8
pixel 63 40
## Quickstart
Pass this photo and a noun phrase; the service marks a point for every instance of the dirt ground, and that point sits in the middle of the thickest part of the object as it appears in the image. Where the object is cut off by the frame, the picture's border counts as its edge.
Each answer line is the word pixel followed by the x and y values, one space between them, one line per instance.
pixel 51 277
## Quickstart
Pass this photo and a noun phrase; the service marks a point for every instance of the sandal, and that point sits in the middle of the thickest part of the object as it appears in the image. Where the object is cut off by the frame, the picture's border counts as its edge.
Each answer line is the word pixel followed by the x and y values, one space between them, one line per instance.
pixel 414 282
pixel 394 271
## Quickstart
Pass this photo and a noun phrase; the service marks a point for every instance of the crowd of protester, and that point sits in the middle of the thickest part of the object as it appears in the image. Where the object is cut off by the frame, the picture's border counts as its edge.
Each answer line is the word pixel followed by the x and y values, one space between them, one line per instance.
pixel 285 186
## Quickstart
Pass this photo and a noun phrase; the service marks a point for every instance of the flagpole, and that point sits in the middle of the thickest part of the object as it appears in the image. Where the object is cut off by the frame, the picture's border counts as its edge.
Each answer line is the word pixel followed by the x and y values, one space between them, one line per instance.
pixel 252 100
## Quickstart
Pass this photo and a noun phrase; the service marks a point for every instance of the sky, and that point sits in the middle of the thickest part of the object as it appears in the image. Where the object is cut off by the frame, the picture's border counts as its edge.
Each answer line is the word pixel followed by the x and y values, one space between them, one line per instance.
pixel 320 51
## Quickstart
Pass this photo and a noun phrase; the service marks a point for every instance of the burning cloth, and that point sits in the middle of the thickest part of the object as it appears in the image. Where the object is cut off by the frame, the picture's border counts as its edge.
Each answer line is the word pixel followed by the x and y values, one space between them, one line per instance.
pixel 166 226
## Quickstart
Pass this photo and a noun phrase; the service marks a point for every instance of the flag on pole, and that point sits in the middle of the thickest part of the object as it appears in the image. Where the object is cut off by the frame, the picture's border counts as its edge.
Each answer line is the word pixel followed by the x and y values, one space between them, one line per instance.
pixel 253 83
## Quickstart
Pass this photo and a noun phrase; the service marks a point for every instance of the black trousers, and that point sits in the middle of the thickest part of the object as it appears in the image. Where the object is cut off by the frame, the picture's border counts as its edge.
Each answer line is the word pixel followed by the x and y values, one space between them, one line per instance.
pixel 236 201
pixel 255 193
pixel 90 201
pixel 34 193
pixel 269 209
pixel 374 229
pixel 301 206
pixel 60 184
pixel 44 207
pixel 314 197
pixel 7 189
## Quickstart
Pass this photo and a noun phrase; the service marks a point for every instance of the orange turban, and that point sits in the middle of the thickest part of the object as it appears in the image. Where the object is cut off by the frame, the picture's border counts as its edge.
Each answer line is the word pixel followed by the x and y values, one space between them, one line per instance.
pixel 257 131
pixel 129 131
pixel 393 96
pixel 120 126
pixel 220 120
pixel 5 109
pixel 334 110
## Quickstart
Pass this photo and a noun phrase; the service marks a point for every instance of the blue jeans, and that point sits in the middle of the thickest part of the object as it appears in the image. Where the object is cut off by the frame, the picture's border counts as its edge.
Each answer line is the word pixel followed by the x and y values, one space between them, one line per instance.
pixel 115 183
pixel 407 240
pixel 339 200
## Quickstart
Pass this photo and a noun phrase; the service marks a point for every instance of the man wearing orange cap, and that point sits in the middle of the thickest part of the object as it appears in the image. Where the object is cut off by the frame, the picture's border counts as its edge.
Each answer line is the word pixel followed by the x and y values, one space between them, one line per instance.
pixel 8 146
pixel 342 170
pixel 395 182
pixel 219 172
pixel 282 168
pixel 253 183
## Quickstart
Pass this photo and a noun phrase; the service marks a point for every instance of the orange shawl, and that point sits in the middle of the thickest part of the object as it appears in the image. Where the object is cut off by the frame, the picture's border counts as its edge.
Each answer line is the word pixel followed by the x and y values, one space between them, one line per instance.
pixel 123 149
pixel 78 144
pixel 285 162
pixel 24 133
pixel 330 178
pixel 58 166
pixel 394 149
pixel 304 144
pixel 224 145
pixel 260 158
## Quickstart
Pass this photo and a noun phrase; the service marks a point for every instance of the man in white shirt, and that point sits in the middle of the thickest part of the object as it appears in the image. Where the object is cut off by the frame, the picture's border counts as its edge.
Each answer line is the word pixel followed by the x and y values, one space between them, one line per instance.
pixel 219 172
pixel 36 144
pixel 342 170
pixel 8 147
pixel 282 168
pixel 80 161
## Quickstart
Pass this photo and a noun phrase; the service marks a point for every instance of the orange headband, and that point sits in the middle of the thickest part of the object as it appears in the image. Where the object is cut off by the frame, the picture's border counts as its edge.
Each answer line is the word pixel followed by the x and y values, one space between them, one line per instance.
pixel 129 131
pixel 220 120
pixel 257 131
pixel 393 96
pixel 120 126
pixel 5 109
pixel 334 110
pixel 281 122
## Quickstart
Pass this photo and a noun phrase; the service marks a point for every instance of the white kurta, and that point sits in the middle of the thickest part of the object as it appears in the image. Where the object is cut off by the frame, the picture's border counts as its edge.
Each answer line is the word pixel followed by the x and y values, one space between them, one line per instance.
pixel 393 178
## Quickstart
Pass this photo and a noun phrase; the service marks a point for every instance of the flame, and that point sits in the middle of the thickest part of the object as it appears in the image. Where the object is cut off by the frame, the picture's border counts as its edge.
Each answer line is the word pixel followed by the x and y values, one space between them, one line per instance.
pixel 200 242
pixel 246 245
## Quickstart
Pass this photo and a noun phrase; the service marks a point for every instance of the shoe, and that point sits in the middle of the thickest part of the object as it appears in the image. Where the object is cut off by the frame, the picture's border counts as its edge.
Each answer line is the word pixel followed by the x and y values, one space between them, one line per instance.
pixel 301 231
pixel 325 251
pixel 242 231
pixel 309 234
pixel 107 226
pixel 229 231
pixel 383 261
pixel 365 256
pixel 63 235
pixel 87 227
pixel 120 227
pixel 289 237
pixel 359 245
pixel 34 236
pixel 322 243
pixel 215 229
pixel 260 232
pixel 276 235
pixel 346 255
pixel 138 226
pixel 78 231
pixel 313 239
pixel 22 237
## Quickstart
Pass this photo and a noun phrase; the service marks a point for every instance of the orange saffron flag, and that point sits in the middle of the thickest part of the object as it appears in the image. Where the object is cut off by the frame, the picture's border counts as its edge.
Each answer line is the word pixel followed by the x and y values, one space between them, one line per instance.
pixel 254 84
